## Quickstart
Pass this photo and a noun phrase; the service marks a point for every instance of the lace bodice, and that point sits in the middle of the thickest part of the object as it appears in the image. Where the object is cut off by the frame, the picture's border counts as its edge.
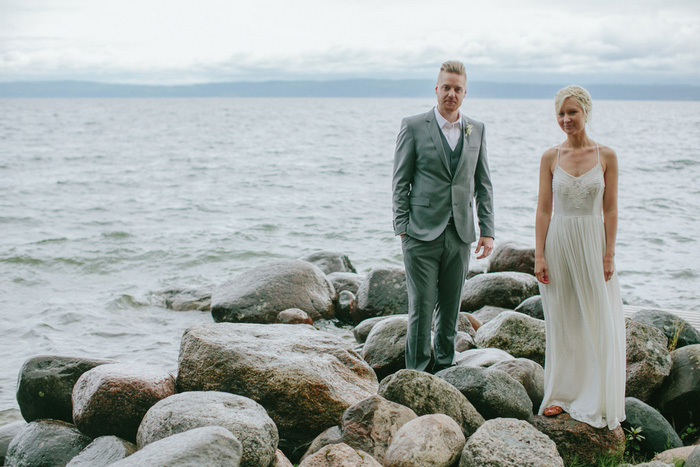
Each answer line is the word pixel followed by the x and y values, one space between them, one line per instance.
pixel 578 196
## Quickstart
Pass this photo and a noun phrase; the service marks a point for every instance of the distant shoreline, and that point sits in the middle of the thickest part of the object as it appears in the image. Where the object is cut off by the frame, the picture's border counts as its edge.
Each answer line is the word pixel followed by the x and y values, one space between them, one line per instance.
pixel 354 88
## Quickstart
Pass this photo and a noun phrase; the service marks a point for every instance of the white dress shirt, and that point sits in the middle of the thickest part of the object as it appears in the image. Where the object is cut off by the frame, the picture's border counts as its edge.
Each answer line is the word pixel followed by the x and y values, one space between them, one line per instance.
pixel 452 131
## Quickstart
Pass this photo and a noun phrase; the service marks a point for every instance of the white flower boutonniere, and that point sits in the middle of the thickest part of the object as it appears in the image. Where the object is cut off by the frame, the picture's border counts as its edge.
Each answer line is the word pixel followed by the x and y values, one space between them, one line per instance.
pixel 468 129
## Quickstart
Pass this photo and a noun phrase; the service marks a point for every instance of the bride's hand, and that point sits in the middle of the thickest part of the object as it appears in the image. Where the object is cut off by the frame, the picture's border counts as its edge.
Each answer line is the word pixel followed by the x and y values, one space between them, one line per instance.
pixel 541 271
pixel 608 267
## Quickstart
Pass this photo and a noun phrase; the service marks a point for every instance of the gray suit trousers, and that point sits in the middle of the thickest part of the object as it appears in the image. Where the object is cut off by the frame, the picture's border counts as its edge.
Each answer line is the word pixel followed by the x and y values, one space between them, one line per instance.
pixel 435 274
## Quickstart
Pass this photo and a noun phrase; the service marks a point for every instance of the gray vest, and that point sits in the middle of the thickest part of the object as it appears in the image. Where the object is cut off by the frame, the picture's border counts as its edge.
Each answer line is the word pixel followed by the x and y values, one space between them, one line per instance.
pixel 452 155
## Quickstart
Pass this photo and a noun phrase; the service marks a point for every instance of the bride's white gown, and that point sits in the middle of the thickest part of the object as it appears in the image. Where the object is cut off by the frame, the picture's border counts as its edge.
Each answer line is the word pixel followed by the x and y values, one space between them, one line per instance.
pixel 584 369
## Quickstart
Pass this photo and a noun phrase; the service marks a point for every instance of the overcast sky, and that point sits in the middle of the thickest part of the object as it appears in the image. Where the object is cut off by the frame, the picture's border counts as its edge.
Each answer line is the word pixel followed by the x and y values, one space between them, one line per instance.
pixel 193 41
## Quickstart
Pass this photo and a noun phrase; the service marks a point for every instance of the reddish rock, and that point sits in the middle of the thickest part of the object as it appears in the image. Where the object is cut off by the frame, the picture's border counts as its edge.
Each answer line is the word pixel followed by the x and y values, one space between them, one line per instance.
pixel 294 316
pixel 340 455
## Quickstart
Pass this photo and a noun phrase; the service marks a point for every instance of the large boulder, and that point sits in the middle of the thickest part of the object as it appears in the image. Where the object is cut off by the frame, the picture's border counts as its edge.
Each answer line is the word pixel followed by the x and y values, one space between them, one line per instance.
pixel 657 432
pixel 648 360
pixel 243 417
pixel 45 443
pixel 487 313
pixel 112 399
pixel 349 281
pixel 678 397
pixel 516 333
pixel 211 446
pixel 46 384
pixel 493 393
pixel 259 294
pixel 340 455
pixel 304 378
pixel 671 456
pixel 385 348
pixel 506 442
pixel 580 440
pixel 482 357
pixel 427 394
pixel 434 440
pixel 511 256
pixel 501 289
pixel 362 330
pixel 103 451
pixel 693 460
pixel 7 433
pixel 676 329
pixel 382 293
pixel 330 261
pixel 371 424
pixel 527 373
pixel 532 307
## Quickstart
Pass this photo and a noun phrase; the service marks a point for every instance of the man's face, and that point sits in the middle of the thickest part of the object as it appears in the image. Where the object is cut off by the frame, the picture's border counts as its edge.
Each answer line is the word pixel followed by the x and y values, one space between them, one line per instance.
pixel 450 90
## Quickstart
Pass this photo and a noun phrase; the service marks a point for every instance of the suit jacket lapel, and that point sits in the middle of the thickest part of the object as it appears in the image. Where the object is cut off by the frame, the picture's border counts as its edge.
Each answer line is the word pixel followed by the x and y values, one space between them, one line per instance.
pixel 434 131
pixel 465 144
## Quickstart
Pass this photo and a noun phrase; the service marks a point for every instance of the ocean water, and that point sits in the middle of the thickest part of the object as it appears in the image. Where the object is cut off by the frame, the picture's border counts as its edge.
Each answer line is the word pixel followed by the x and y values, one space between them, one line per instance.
pixel 103 203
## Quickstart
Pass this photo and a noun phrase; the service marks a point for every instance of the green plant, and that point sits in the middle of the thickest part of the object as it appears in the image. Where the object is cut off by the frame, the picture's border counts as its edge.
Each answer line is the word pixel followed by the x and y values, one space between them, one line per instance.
pixel 678 326
pixel 689 433
pixel 633 441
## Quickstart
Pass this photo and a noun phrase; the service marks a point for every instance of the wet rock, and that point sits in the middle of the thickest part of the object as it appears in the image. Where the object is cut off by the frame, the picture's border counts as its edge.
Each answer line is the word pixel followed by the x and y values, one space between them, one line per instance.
pixel 385 348
pixel 102 451
pixel 349 281
pixel 678 397
pixel 45 443
pixel 658 433
pixel 259 294
pixel 293 316
pixel 532 307
pixel 382 293
pixel 332 435
pixel 487 313
pixel 187 299
pixel 648 360
pixel 244 418
pixel 673 326
pixel 427 394
pixel 112 399
pixel 347 306
pixel 330 261
pixel 371 424
pixel 492 392
pixel 429 441
pixel 206 446
pixel 482 357
pixel 7 433
pixel 340 455
pixel 516 333
pixel 304 378
pixel 511 256
pixel 501 289
pixel 527 373
pixel 580 440
pixel 505 442
pixel 46 384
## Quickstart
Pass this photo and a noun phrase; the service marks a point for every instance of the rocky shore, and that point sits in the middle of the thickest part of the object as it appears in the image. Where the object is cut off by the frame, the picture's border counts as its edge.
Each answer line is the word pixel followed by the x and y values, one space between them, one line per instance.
pixel 264 386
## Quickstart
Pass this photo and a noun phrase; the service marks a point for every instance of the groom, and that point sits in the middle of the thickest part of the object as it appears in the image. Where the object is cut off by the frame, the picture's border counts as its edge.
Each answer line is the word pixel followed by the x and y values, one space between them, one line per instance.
pixel 440 168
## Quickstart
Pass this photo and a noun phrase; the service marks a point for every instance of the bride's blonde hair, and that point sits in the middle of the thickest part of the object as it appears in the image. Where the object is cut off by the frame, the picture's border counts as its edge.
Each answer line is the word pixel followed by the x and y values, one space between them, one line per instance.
pixel 582 97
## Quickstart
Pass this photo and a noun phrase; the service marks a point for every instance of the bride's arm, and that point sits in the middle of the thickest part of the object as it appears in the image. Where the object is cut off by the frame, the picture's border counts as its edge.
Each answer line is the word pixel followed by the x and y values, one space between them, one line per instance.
pixel 543 214
pixel 610 210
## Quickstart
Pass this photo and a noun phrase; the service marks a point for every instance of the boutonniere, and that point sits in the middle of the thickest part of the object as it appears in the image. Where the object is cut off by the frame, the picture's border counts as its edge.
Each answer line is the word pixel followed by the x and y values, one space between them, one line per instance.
pixel 468 129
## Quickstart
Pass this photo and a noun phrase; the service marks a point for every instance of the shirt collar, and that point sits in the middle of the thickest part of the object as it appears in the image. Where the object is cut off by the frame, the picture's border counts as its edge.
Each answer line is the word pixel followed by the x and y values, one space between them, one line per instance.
pixel 442 120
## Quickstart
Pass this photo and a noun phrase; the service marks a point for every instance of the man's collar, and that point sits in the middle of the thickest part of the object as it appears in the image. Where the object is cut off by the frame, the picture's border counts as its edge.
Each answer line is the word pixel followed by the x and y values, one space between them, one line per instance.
pixel 442 120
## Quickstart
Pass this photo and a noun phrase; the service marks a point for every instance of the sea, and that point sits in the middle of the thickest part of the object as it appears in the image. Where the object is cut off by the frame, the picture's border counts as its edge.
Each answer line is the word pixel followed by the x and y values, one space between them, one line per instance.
pixel 106 202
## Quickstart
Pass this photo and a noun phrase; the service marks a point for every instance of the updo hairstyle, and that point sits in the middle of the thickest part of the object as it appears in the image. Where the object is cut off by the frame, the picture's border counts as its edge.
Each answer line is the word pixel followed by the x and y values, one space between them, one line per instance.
pixel 582 97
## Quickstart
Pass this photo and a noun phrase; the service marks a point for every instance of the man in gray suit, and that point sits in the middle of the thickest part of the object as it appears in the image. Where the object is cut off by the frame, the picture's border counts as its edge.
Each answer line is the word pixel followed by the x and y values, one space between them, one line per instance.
pixel 440 168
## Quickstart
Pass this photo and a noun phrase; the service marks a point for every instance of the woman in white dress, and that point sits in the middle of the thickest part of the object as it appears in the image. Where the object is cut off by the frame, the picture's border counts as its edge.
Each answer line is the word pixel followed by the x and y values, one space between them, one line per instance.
pixel 575 230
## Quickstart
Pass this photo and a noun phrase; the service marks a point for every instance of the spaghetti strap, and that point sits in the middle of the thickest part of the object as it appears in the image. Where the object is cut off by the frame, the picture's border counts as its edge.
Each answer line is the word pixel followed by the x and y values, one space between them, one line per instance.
pixel 558 152
pixel 597 150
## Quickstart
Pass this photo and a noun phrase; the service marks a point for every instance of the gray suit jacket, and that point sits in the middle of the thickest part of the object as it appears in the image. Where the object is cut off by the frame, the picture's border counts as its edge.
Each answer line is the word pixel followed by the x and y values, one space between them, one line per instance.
pixel 426 194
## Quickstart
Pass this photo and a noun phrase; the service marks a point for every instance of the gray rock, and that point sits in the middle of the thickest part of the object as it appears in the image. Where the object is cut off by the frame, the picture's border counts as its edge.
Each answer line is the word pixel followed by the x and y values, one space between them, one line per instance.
pixel 428 441
pixel 332 435
pixel 340 455
pixel 427 394
pixel 678 397
pixel 187 299
pixel 244 418
pixel 464 323
pixel 648 464
pixel 7 433
pixel 464 342
pixel 211 446
pixel 658 433
pixel 493 393
pixel 511 256
pixel 46 384
pixel 362 330
pixel 671 456
pixel 281 460
pixel 259 294
pixel 371 424
pixel 349 281
pixel 347 306
pixel 516 333
pixel 487 313
pixel 532 307
pixel 527 373
pixel 104 450
pixel 112 399
pixel 45 443
pixel 382 293
pixel 482 357
pixel 304 378
pixel 385 348
pixel 330 261
pixel 693 459
pixel 505 442
pixel 673 326
pixel 648 360
pixel 501 289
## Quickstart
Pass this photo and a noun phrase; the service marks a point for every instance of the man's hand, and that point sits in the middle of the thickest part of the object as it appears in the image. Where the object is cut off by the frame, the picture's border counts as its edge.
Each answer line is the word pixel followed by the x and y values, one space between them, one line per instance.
pixel 485 245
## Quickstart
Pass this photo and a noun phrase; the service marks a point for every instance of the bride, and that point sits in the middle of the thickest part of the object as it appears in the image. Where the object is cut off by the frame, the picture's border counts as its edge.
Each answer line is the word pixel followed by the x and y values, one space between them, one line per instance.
pixel 575 229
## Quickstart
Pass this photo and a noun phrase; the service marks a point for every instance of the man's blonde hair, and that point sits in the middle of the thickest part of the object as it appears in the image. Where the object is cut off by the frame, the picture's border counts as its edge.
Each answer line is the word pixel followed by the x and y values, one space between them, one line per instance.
pixel 454 66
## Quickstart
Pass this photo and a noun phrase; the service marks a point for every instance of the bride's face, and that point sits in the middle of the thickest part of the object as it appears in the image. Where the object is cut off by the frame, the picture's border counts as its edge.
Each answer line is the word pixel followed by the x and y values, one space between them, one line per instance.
pixel 571 117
